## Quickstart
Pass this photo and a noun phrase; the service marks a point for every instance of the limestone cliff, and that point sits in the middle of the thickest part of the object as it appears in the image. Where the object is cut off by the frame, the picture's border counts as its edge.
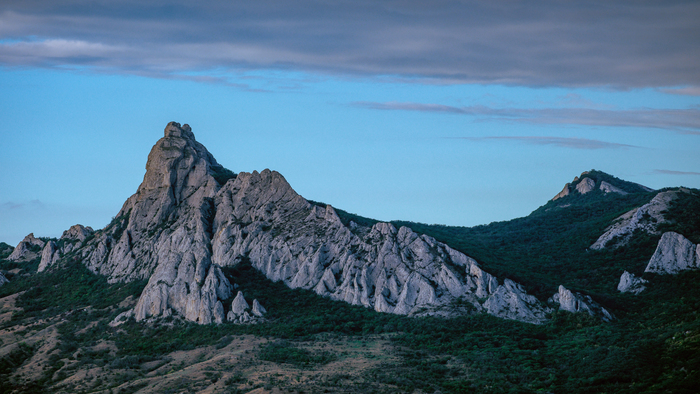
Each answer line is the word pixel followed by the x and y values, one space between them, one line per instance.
pixel 163 233
pixel 674 253
pixel 644 218
pixel 190 217
pixel 261 218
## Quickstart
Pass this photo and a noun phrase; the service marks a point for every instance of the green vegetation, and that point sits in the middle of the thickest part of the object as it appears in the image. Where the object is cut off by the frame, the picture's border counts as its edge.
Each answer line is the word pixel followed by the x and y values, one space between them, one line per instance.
pixel 222 174
pixel 283 351
pixel 653 345
pixel 5 250
pixel 550 246
pixel 684 216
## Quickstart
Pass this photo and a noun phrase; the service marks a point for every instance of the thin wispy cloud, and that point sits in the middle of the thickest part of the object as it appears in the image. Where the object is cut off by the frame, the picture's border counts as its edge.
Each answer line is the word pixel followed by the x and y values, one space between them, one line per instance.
pixel 563 142
pixel 625 45
pixel 671 172
pixel 680 120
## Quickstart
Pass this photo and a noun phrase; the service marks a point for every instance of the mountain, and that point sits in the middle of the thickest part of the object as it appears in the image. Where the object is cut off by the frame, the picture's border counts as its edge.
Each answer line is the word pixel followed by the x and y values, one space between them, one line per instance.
pixel 208 280
pixel 190 217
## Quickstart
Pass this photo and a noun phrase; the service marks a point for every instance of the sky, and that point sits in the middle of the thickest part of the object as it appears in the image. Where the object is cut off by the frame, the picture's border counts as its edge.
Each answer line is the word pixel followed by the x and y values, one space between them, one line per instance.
pixel 442 112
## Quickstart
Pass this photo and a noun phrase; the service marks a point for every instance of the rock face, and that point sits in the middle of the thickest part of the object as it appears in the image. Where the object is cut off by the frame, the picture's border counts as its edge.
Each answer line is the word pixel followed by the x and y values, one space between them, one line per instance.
pixel 674 253
pixel 72 239
pixel 260 217
pixel 577 303
pixel 190 217
pixel 631 284
pixel 585 185
pixel 163 233
pixel 589 179
pixel 608 188
pixel 644 218
pixel 3 279
pixel 23 251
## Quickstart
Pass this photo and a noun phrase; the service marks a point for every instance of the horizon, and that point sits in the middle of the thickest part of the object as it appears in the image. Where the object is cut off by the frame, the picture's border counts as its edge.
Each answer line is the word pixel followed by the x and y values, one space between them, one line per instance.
pixel 457 113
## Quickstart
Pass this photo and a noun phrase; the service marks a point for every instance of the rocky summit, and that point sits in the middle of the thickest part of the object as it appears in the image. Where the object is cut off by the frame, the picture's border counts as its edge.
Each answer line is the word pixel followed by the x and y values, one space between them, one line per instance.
pixel 190 217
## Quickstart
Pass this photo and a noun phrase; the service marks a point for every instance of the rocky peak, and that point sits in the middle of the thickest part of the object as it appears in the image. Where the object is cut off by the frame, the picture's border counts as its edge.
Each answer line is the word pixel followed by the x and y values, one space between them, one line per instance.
pixel 190 217
pixel 25 249
pixel 593 180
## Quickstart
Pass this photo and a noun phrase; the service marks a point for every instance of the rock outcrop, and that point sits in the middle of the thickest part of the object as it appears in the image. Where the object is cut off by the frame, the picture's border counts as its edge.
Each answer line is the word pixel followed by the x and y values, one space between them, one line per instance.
pixel 590 179
pixel 608 188
pixel 585 185
pixel 49 256
pixel 645 218
pixel 259 217
pixel 163 233
pixel 239 311
pixel 579 303
pixel 190 217
pixel 629 283
pixel 24 250
pixel 72 239
pixel 674 253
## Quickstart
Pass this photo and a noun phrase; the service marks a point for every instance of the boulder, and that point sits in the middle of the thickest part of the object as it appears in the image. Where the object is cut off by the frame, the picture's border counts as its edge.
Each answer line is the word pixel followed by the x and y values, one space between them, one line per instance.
pixel 629 283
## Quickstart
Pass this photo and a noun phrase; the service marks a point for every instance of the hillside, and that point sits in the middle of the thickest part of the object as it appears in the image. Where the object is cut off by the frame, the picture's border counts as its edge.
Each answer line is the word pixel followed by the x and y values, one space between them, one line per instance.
pixel 208 280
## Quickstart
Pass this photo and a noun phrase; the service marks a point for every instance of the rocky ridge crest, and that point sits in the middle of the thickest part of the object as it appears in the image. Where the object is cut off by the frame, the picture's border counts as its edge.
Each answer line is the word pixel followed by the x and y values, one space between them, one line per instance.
pixel 190 217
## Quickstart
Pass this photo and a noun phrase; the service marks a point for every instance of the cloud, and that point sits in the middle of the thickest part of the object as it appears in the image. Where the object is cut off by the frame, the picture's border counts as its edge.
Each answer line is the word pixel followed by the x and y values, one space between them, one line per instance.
pixel 680 120
pixel 574 143
pixel 671 172
pixel 686 91
pixel 626 44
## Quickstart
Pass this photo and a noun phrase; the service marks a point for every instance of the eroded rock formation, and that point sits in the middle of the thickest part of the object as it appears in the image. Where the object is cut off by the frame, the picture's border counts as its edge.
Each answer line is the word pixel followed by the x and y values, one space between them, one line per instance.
pixel 674 253
pixel 23 251
pixel 645 218
pixel 579 303
pixel 629 283
pixel 190 217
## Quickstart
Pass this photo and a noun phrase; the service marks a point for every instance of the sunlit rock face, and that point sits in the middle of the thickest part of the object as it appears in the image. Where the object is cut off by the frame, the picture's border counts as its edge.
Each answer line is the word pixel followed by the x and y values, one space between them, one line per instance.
pixel 186 221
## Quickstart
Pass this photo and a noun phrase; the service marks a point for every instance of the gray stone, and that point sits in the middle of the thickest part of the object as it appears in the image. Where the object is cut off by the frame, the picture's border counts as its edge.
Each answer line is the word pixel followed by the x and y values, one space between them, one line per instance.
pixel 22 251
pixel 182 226
pixel 258 310
pixel 3 279
pixel 645 218
pixel 674 253
pixel 122 318
pixel 578 303
pixel 608 188
pixel 629 283
pixel 239 304
pixel 49 256
pixel 585 185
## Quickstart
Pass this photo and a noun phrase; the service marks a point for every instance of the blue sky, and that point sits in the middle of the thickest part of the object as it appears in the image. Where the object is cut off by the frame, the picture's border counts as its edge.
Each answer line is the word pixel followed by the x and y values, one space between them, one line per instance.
pixel 459 113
